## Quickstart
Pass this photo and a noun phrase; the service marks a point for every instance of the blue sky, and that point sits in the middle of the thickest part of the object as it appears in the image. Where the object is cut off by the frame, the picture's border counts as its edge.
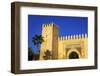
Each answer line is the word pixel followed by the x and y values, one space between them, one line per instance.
pixel 67 25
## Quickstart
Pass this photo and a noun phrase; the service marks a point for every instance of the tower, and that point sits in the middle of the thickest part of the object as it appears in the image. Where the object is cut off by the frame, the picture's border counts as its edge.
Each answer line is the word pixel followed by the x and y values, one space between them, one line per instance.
pixel 50 36
pixel 64 47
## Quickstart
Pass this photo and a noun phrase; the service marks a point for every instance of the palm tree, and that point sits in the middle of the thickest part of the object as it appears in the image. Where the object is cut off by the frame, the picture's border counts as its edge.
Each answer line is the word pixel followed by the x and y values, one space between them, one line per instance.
pixel 37 41
pixel 47 55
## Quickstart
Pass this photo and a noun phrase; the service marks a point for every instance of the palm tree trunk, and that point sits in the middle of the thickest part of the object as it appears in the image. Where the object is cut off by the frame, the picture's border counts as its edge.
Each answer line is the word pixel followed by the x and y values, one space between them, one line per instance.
pixel 37 49
pixel 37 53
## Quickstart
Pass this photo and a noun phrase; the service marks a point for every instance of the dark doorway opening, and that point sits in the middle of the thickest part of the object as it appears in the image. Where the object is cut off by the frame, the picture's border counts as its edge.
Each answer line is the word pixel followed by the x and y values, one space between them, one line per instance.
pixel 73 55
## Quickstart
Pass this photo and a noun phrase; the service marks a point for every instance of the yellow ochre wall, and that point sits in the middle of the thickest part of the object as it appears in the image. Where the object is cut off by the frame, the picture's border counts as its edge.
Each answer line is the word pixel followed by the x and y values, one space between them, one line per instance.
pixel 72 42
pixel 61 47
pixel 50 36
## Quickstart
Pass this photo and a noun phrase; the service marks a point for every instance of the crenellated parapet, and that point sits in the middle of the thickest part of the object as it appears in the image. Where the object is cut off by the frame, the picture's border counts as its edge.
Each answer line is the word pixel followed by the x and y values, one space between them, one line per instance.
pixel 48 25
pixel 69 37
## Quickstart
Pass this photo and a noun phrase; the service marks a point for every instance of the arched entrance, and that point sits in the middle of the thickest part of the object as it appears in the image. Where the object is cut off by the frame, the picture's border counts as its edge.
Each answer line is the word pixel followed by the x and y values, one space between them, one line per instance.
pixel 73 55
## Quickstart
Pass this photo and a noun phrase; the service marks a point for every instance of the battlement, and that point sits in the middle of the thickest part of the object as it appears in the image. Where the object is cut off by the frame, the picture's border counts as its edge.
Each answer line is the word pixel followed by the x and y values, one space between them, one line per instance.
pixel 69 37
pixel 47 25
pixel 52 24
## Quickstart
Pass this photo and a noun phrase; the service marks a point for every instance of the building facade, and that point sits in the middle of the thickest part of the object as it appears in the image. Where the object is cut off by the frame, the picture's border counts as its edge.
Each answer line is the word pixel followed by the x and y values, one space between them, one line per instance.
pixel 62 47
